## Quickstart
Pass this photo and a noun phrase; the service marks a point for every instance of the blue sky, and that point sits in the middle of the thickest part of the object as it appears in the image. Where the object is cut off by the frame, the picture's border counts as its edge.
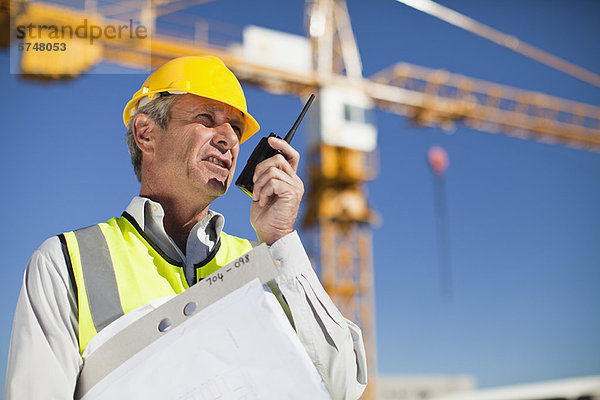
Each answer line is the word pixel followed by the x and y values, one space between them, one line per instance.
pixel 524 221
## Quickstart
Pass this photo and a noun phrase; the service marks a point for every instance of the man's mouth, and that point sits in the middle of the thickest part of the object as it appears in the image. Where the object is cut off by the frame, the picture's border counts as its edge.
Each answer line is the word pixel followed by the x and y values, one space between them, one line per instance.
pixel 216 161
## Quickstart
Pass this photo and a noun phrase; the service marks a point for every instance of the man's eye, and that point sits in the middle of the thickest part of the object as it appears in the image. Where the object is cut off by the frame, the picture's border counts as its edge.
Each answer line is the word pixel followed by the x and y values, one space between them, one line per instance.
pixel 237 130
pixel 205 119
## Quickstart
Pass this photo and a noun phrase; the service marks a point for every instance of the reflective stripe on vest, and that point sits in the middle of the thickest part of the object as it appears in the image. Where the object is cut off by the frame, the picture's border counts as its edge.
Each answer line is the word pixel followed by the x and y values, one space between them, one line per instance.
pixel 117 269
pixel 98 277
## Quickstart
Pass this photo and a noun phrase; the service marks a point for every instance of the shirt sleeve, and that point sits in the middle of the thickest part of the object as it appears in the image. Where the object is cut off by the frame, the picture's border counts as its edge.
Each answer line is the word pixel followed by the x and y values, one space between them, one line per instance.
pixel 334 343
pixel 44 360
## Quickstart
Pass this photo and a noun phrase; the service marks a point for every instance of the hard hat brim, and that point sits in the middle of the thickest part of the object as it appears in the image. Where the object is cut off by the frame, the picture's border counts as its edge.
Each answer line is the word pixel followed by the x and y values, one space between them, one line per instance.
pixel 251 125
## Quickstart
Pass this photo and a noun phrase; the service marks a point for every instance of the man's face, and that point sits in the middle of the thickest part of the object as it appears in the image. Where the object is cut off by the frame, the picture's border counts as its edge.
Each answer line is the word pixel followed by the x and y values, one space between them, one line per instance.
pixel 198 151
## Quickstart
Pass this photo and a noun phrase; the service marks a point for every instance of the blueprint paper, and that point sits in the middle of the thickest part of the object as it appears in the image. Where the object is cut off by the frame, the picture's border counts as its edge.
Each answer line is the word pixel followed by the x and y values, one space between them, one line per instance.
pixel 135 330
pixel 240 347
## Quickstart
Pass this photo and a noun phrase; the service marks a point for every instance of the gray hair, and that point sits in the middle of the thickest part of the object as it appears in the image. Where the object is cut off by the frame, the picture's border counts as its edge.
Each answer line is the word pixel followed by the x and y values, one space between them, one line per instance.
pixel 159 110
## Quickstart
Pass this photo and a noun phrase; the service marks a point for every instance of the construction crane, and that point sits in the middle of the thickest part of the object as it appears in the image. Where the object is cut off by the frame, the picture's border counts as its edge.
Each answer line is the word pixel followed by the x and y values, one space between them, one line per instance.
pixel 338 219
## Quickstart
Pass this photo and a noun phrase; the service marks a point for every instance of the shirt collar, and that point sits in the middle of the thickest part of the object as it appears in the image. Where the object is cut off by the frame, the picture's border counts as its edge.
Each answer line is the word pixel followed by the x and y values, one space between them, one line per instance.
pixel 204 235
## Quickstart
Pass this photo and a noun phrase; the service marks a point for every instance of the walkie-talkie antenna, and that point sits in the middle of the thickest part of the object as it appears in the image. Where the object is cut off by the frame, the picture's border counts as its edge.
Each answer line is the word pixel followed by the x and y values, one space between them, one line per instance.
pixel 288 138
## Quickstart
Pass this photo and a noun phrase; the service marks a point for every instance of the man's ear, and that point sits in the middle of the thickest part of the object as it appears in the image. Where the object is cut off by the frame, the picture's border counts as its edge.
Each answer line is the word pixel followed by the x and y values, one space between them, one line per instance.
pixel 144 129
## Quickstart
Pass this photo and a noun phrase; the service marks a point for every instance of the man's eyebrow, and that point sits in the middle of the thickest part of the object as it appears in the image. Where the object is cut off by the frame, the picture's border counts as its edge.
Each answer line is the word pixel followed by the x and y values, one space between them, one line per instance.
pixel 237 119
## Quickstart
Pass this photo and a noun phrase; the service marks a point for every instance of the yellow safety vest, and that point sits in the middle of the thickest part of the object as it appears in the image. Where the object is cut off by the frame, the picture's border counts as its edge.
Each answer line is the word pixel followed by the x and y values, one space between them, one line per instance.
pixel 115 268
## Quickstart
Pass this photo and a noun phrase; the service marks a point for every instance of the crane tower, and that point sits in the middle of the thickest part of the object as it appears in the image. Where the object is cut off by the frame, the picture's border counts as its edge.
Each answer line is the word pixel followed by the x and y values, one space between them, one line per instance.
pixel 343 143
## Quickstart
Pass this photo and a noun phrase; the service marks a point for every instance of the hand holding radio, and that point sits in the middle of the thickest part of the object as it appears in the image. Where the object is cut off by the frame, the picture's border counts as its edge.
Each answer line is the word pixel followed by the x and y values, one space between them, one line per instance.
pixel 270 178
pixel 264 151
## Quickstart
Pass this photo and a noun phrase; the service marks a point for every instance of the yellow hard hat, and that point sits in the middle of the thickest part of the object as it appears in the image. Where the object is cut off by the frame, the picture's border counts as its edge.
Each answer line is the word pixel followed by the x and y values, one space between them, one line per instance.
pixel 204 76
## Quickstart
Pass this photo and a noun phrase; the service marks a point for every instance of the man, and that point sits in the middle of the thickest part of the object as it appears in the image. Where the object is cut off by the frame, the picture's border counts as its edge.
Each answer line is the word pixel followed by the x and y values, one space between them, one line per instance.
pixel 185 126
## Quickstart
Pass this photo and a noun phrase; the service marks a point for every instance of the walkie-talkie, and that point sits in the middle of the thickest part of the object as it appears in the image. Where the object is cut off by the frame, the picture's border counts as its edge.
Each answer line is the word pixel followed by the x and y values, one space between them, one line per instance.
pixel 263 151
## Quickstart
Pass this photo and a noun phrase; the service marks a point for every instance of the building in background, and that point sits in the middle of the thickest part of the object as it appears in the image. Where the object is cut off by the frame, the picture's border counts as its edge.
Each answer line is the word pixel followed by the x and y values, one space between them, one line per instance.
pixel 582 388
pixel 416 387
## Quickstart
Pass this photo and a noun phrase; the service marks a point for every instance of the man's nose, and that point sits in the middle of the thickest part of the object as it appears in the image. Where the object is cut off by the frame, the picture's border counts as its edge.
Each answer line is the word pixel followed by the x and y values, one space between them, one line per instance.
pixel 225 137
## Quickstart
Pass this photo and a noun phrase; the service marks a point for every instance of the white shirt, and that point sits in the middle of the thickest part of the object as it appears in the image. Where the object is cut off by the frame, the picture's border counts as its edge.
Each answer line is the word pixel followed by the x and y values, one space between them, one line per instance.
pixel 44 360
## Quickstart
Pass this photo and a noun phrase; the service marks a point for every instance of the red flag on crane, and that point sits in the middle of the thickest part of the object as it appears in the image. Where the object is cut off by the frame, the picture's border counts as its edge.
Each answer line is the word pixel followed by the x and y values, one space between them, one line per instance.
pixel 438 160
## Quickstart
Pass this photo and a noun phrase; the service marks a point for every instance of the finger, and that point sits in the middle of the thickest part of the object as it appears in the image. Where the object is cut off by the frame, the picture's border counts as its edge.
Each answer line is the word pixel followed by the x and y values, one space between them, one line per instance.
pixel 291 155
pixel 295 184
pixel 270 189
pixel 280 189
pixel 274 174
pixel 277 161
